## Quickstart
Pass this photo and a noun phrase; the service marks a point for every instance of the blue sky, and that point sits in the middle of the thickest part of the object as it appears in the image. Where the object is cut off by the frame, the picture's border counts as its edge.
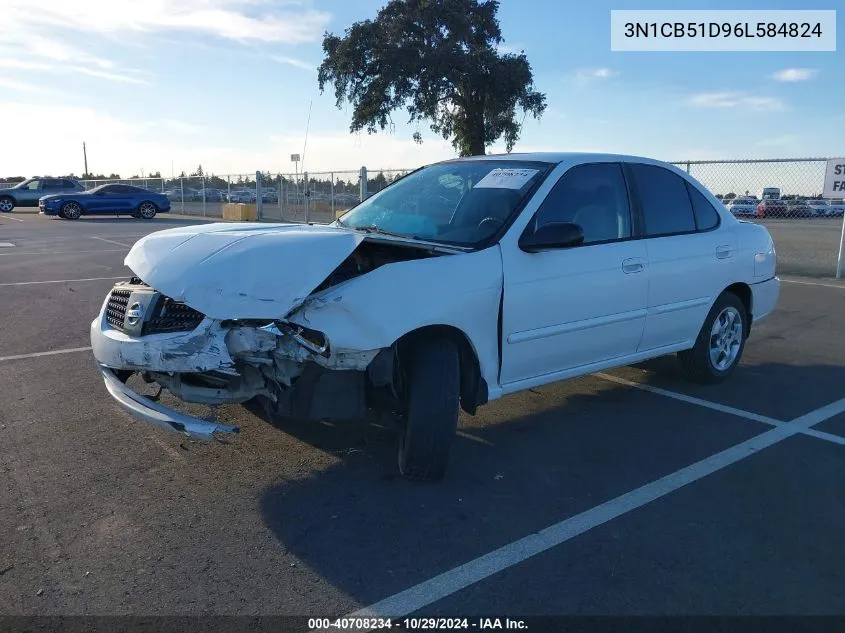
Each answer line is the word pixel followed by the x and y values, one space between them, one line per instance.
pixel 228 84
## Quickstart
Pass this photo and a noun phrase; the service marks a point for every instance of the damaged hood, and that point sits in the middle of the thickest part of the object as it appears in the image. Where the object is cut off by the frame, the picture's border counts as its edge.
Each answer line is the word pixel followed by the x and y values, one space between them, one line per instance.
pixel 241 271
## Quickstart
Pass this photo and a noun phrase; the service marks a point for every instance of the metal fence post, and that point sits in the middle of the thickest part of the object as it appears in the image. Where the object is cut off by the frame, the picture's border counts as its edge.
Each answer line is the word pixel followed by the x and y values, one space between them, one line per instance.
pixel 182 187
pixel 334 215
pixel 229 188
pixel 687 166
pixel 203 195
pixel 279 201
pixel 259 198
pixel 362 185
pixel 839 262
pixel 306 193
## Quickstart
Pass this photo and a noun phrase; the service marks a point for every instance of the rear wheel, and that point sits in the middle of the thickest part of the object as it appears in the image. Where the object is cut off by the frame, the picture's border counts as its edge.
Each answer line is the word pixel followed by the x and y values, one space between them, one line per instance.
pixel 431 417
pixel 71 210
pixel 720 343
pixel 6 204
pixel 147 210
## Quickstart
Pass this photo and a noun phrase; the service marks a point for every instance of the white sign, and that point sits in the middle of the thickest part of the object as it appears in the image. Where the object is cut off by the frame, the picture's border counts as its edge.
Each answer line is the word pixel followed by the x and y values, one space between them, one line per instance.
pixel 294 158
pixel 834 179
pixel 506 179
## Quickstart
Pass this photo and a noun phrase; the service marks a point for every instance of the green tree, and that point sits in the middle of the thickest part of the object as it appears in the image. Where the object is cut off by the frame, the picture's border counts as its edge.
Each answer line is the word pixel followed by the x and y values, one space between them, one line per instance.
pixel 439 60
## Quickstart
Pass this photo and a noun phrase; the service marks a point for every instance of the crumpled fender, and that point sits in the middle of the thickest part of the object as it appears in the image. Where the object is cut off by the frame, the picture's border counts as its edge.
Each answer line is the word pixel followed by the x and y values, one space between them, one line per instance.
pixel 375 310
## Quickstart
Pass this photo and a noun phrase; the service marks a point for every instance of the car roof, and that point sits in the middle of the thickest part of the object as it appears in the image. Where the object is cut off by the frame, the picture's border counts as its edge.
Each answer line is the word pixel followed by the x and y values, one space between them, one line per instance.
pixel 561 157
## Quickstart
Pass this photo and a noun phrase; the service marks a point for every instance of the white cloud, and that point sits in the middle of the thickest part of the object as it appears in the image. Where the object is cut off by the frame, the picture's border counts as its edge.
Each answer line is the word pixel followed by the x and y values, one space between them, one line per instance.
pixel 286 22
pixel 795 74
pixel 291 61
pixel 19 86
pixel 588 74
pixel 52 36
pixel 735 100
pixel 510 49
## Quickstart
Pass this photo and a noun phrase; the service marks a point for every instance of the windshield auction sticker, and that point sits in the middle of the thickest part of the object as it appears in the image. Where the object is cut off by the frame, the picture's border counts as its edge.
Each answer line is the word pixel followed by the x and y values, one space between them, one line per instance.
pixel 723 30
pixel 506 179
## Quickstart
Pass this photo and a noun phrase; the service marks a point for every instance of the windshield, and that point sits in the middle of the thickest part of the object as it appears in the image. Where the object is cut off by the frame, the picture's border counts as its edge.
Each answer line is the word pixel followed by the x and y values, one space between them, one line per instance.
pixel 462 202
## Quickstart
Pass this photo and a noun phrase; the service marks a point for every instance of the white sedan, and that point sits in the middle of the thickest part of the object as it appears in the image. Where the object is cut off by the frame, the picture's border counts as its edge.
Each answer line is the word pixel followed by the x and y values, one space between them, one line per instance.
pixel 461 283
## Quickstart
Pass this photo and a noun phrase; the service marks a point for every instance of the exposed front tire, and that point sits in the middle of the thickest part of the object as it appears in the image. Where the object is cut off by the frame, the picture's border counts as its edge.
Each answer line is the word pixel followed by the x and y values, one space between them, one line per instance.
pixel 147 210
pixel 431 419
pixel 720 343
pixel 6 204
pixel 71 210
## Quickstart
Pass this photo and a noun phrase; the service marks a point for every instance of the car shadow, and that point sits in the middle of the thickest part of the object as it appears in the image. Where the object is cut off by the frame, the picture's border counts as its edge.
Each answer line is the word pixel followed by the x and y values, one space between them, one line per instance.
pixel 126 219
pixel 528 461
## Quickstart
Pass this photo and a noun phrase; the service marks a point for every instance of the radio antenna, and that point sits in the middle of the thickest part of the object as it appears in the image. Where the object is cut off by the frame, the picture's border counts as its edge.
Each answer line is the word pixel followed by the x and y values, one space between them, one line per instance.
pixel 307 127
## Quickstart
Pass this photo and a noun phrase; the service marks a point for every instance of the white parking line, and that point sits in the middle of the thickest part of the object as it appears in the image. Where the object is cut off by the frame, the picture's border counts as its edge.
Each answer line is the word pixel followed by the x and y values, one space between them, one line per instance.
pixel 458 578
pixel 51 253
pixel 813 283
pixel 103 239
pixel 58 281
pixel 50 353
pixel 8 217
pixel 715 406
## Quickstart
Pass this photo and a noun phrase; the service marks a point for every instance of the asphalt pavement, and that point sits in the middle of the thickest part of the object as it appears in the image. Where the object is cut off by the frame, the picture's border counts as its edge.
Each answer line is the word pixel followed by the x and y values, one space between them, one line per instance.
pixel 628 492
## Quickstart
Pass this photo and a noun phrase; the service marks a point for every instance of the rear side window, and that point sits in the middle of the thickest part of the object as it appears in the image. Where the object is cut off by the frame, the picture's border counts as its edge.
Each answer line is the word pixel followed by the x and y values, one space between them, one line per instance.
pixel 666 203
pixel 68 184
pixel 706 217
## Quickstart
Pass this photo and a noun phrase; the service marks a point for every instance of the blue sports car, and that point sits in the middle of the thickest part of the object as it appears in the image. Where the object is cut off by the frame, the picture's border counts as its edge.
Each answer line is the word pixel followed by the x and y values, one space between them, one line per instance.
pixel 105 199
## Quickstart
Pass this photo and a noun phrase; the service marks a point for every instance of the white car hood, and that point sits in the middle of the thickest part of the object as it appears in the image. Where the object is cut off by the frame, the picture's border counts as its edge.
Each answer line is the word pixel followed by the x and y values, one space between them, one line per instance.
pixel 241 271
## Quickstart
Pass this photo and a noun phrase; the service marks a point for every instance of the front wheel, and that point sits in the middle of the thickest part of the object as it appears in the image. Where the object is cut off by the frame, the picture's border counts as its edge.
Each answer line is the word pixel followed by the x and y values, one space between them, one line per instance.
pixel 720 343
pixel 147 210
pixel 6 204
pixel 70 211
pixel 431 417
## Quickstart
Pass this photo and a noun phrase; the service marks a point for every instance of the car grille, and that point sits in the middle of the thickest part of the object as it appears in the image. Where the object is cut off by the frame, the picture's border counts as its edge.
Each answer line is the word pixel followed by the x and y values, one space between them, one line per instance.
pixel 172 316
pixel 116 307
pixel 167 315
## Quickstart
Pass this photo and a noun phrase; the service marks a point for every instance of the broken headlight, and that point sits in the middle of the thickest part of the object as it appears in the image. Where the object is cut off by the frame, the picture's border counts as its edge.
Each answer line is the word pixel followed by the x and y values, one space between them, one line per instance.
pixel 312 340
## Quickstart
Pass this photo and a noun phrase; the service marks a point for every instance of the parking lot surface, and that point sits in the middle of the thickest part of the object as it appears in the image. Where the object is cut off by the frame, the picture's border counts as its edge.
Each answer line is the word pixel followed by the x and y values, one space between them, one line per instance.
pixel 627 492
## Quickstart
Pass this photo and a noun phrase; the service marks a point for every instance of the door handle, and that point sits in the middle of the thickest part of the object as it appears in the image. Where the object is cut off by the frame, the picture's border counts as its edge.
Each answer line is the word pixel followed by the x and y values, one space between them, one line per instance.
pixel 632 265
pixel 723 252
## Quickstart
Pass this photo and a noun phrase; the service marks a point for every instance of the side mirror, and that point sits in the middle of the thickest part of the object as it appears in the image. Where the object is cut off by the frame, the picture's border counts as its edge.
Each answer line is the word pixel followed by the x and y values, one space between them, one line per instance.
pixel 552 236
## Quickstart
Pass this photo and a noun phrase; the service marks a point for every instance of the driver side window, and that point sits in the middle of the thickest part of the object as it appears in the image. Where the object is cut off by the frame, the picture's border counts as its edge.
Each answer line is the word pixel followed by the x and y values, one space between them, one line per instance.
pixel 594 197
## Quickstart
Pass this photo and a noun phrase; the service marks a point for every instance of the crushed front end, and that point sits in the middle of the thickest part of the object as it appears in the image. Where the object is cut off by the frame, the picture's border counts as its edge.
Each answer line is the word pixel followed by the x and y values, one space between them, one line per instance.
pixel 295 372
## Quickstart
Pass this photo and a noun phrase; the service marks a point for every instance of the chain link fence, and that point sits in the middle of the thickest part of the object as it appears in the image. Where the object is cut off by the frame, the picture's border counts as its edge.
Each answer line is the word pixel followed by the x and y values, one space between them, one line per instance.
pixel 782 194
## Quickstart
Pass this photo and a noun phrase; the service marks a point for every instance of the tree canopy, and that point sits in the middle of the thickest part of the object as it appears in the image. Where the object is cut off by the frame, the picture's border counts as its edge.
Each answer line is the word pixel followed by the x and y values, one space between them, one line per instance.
pixel 439 59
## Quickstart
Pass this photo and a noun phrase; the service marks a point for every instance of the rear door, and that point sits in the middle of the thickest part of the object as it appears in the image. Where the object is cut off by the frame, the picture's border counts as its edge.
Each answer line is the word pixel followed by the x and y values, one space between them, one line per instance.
pixel 690 255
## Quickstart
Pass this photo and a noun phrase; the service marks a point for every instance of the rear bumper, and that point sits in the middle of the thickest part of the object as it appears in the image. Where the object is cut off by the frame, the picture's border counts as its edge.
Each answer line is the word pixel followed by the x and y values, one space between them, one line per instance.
pixel 765 297
pixel 149 411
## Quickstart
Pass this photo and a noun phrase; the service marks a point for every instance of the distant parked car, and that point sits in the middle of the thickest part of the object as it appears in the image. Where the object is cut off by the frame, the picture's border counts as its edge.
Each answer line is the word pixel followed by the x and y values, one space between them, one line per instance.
pixel 105 199
pixel 241 195
pixel 798 208
pixel 270 197
pixel 771 208
pixel 743 207
pixel 211 195
pixel 27 193
pixel 837 207
pixel 819 208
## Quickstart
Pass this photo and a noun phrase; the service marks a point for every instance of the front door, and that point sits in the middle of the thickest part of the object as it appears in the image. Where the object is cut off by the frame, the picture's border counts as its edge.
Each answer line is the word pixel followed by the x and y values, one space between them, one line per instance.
pixel 567 309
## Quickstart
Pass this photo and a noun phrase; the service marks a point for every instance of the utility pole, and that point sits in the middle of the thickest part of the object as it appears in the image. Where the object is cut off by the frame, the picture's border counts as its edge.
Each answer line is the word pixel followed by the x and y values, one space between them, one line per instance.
pixel 85 156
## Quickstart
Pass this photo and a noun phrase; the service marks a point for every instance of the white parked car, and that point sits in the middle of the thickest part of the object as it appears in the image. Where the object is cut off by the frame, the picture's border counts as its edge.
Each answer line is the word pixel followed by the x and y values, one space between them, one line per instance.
pixel 465 281
pixel 742 207
pixel 818 208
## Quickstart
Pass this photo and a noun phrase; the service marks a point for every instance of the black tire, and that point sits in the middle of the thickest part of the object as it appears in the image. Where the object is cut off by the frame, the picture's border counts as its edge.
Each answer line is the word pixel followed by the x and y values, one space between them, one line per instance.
pixel 697 363
pixel 7 203
pixel 432 410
